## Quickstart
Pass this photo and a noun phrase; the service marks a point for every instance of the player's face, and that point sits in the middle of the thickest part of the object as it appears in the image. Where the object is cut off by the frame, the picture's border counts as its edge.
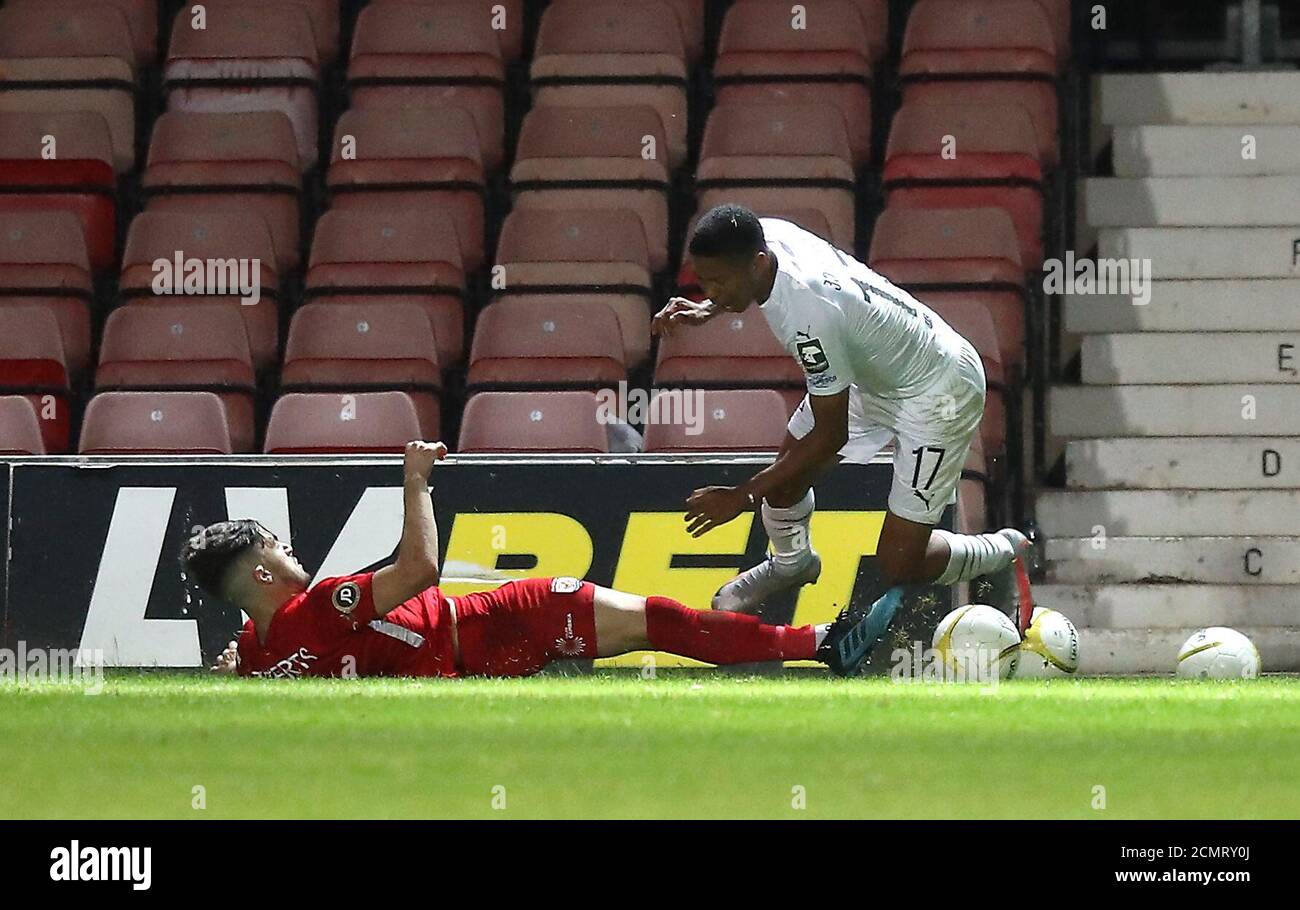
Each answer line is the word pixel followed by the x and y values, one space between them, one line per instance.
pixel 729 284
pixel 278 556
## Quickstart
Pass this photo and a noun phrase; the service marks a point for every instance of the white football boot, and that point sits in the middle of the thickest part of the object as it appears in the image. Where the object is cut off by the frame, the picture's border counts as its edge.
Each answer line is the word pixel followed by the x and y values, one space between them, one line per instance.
pixel 752 588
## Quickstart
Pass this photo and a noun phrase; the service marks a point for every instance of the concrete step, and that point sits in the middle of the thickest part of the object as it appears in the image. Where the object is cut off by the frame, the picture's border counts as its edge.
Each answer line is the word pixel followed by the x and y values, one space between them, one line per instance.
pixel 1193 358
pixel 1201 560
pixel 1113 652
pixel 1251 462
pixel 1189 306
pixel 1174 410
pixel 1172 606
pixel 1181 253
pixel 1200 98
pixel 1205 151
pixel 1194 513
pixel 1191 201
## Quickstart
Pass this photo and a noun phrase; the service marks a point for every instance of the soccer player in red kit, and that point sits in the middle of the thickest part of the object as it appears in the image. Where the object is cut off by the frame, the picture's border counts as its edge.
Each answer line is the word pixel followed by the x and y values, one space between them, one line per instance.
pixel 396 622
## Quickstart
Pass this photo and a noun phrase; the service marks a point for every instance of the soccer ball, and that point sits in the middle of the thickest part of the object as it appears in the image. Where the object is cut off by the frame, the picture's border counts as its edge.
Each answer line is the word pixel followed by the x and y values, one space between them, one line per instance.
pixel 977 643
pixel 1218 653
pixel 1050 648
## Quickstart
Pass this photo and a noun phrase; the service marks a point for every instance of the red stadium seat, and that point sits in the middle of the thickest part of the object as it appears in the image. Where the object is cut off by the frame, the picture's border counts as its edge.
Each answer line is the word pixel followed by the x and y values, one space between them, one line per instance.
pixel 993 162
pixel 814 220
pixel 412 158
pixel 366 347
pixel 549 344
pixel 732 350
pixel 20 430
pixel 609 53
pixel 590 158
pixel 432 55
pixel 364 256
pixel 532 422
pixel 973 253
pixel 228 162
pixel 62 58
pixel 210 238
pixel 79 180
pixel 32 364
pixel 958 52
pixel 141 18
pixel 781 156
pixel 322 17
pixel 43 264
pixel 505 16
pixel 182 348
pixel 352 423
pixel 743 420
pixel 155 423
pixel 584 256
pixel 247 57
pixel 762 58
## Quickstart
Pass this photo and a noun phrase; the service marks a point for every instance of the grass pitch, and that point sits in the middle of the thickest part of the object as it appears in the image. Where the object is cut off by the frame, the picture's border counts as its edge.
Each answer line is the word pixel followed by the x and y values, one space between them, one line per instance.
pixel 687 744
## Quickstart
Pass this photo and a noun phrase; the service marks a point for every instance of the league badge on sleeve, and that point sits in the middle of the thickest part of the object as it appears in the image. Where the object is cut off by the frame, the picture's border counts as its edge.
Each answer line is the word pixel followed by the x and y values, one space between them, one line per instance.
pixel 346 597
pixel 565 584
pixel 811 354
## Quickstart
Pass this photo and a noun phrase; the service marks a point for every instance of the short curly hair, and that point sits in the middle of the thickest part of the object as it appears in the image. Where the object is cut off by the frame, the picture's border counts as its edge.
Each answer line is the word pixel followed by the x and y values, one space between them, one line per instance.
pixel 727 231
pixel 209 553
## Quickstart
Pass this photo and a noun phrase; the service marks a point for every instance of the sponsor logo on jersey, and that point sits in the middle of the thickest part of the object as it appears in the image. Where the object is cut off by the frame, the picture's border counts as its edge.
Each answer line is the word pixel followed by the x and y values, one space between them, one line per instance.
pixel 570 645
pixel 823 380
pixel 346 597
pixel 565 584
pixel 812 357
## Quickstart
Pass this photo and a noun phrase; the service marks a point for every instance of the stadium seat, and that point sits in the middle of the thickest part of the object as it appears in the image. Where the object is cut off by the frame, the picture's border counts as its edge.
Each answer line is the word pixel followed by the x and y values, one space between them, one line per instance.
pixel 20 430
pixel 209 237
pixel 590 158
pixel 548 344
pixel 326 423
pixel 80 180
pixel 43 264
pixel 609 53
pixel 141 18
pixel 247 57
pixel 32 364
pixel 993 161
pixel 970 317
pixel 506 17
pixel 532 422
pixel 814 220
pixel 973 253
pixel 245 162
pixel 422 55
pixel 783 156
pixel 155 423
pixel 180 347
pixel 741 420
pixel 1057 13
pixel 412 158
pixel 62 58
pixel 827 62
pixel 364 256
pixel 973 491
pixel 322 17
pixel 366 347
pixel 960 52
pixel 584 256
pixel 732 350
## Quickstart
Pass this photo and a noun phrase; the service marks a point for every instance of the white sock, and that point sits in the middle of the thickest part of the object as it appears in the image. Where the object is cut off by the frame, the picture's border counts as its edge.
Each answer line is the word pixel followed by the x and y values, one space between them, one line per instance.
pixel 787 529
pixel 973 555
pixel 819 632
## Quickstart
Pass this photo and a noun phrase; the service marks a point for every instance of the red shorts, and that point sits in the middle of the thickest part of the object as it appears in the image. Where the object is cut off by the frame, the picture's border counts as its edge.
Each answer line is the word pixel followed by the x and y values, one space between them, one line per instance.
pixel 523 625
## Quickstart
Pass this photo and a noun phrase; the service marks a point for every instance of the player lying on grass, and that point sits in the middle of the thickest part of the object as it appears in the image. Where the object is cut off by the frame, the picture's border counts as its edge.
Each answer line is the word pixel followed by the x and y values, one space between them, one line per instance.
pixel 879 366
pixel 396 622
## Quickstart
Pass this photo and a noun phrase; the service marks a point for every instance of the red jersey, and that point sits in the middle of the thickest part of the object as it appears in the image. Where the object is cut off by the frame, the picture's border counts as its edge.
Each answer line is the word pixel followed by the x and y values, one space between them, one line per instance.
pixel 332 630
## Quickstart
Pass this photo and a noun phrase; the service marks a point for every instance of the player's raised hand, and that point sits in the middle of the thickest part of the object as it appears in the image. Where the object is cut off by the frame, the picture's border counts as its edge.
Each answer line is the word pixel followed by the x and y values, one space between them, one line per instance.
pixel 681 311
pixel 420 457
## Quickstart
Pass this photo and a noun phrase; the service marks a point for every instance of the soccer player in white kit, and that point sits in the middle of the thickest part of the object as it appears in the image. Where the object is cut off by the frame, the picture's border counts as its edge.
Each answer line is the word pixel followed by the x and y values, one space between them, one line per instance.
pixel 879 366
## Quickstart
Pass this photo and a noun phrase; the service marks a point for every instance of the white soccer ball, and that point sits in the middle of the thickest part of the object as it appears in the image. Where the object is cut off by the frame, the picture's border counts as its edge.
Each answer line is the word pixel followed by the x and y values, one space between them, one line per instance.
pixel 977 643
pixel 1218 653
pixel 1050 648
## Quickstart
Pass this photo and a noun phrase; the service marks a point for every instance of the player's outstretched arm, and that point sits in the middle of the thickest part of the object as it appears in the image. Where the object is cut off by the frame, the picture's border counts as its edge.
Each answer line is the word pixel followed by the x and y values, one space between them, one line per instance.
pixel 416 567
pixel 682 311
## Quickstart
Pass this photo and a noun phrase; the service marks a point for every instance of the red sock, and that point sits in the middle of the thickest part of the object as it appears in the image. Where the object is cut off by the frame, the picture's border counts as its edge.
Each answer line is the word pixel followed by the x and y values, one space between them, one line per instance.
pixel 723 638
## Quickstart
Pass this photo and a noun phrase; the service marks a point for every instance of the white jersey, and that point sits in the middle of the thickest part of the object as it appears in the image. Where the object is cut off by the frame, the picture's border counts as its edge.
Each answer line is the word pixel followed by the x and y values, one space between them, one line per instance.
pixel 848 325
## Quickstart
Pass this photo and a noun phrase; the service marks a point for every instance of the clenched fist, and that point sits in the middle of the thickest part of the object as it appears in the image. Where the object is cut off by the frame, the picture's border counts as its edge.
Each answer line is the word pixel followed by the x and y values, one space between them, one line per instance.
pixel 420 457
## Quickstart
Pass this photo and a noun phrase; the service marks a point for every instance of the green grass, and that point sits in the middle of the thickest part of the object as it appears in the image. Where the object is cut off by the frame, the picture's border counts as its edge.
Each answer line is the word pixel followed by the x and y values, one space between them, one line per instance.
pixel 683 745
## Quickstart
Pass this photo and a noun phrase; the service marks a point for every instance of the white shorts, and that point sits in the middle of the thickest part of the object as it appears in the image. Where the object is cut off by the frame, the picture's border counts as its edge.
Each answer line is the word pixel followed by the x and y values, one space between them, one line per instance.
pixel 931 432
